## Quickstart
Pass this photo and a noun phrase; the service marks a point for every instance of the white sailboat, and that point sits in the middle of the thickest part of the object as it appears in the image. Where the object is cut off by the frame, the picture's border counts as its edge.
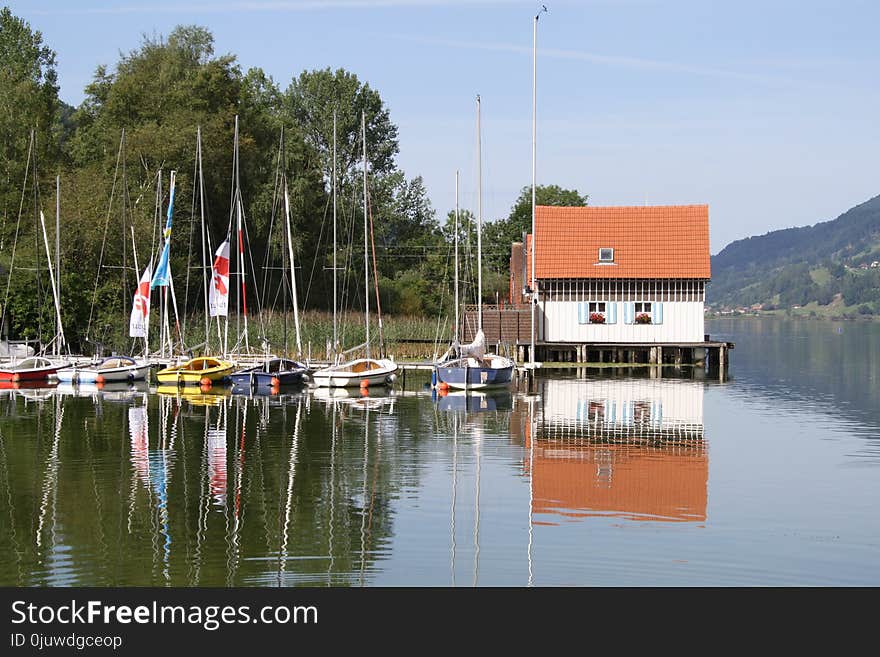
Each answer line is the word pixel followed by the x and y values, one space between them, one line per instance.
pixel 273 371
pixel 34 368
pixel 117 368
pixel 471 367
pixel 360 371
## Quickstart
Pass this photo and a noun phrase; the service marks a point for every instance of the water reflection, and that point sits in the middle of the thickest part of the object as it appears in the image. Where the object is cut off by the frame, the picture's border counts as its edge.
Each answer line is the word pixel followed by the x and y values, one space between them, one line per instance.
pixel 627 448
pixel 136 486
pixel 475 401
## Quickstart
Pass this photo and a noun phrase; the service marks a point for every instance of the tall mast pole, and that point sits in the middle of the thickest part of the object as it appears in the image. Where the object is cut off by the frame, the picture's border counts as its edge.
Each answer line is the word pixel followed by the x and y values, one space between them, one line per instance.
pixel 162 290
pixel 456 260
pixel 59 337
pixel 534 295
pixel 366 238
pixel 281 179
pixel 293 294
pixel 241 260
pixel 479 222
pixel 206 263
pixel 335 343
pixel 57 349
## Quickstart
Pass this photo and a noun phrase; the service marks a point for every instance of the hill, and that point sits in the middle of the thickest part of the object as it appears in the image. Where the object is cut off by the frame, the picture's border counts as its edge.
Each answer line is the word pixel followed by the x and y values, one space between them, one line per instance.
pixel 830 268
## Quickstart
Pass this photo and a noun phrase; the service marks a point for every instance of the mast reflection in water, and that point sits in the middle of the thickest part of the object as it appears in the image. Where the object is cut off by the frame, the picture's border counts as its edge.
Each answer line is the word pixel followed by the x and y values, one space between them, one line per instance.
pixel 587 478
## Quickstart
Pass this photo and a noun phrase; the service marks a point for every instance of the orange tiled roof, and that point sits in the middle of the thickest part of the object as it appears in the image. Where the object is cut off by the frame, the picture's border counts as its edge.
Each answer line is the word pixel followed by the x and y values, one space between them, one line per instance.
pixel 666 241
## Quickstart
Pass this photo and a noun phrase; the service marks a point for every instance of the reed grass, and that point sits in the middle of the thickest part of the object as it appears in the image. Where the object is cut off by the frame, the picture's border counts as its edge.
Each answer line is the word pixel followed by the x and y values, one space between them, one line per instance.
pixel 274 330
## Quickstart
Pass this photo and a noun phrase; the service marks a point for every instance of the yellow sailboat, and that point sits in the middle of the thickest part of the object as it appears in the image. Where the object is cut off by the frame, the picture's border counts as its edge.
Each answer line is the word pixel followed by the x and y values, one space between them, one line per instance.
pixel 196 370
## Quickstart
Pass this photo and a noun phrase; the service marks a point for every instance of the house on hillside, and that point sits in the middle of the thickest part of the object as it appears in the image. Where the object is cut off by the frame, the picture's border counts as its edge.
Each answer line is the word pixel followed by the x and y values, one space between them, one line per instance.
pixel 629 275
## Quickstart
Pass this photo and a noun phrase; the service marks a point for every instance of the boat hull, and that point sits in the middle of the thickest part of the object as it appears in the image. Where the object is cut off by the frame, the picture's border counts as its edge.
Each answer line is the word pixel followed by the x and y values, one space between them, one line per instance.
pixel 357 373
pixel 286 372
pixel 462 375
pixel 31 369
pixel 125 373
pixel 195 371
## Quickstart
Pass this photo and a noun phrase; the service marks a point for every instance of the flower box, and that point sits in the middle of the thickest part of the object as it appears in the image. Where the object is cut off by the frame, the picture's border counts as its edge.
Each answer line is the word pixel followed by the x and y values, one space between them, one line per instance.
pixel 643 318
pixel 597 318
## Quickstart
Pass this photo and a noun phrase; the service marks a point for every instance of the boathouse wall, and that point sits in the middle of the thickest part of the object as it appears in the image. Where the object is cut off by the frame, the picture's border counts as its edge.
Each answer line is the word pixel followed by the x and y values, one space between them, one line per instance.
pixel 672 322
pixel 569 310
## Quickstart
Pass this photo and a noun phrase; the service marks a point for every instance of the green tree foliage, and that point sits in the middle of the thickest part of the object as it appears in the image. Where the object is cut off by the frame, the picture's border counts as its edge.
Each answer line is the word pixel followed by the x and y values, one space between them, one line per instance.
pixel 140 116
pixel 311 101
pixel 28 105
pixel 160 94
pixel 500 234
pixel 28 94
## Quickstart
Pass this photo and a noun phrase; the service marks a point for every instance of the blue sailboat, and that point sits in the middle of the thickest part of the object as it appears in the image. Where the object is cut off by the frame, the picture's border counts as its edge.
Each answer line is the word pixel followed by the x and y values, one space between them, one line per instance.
pixel 469 366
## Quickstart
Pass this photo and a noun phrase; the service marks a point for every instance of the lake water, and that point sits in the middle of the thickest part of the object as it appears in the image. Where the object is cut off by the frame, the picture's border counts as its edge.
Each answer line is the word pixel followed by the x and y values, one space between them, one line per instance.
pixel 594 478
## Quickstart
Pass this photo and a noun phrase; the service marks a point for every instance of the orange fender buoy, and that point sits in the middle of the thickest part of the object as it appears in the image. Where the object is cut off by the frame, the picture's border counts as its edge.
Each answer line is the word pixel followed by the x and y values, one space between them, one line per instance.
pixel 365 383
pixel 443 385
pixel 99 378
pixel 206 382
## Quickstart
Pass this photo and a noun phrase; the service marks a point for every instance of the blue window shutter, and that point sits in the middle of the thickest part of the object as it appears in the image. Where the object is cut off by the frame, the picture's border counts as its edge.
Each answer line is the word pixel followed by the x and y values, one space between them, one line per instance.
pixel 583 313
pixel 611 314
pixel 629 312
pixel 658 313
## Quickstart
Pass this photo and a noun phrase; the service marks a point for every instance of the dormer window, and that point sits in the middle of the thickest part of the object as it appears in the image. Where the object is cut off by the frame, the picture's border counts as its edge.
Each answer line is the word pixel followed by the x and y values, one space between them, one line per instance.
pixel 606 254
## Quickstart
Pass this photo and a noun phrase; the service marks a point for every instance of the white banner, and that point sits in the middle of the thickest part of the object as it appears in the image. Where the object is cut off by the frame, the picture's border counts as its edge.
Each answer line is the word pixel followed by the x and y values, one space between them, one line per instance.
pixel 218 297
pixel 140 309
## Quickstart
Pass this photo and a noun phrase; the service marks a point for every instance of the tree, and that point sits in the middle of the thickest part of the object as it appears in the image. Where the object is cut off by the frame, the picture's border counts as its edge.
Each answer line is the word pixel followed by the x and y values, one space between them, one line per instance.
pixel 28 101
pixel 313 97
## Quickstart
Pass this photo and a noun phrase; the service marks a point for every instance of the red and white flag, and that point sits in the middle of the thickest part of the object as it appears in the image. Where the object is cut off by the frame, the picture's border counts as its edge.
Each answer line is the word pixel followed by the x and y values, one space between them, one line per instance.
pixel 218 297
pixel 140 309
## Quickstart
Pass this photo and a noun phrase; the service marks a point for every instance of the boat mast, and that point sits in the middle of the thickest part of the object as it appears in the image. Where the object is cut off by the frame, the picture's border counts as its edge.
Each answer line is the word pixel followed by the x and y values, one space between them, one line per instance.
pixel 335 342
pixel 533 302
pixel 366 239
pixel 479 224
pixel 59 336
pixel 57 349
pixel 161 304
pixel 241 261
pixel 455 340
pixel 205 247
pixel 290 256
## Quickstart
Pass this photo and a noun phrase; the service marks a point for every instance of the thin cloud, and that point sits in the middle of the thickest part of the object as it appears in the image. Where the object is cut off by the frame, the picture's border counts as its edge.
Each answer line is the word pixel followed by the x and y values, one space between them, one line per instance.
pixel 279 6
pixel 635 63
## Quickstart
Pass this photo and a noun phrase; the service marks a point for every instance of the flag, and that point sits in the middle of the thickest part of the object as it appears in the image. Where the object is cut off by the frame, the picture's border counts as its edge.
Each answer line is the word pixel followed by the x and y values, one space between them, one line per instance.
pixel 218 298
pixel 140 308
pixel 163 269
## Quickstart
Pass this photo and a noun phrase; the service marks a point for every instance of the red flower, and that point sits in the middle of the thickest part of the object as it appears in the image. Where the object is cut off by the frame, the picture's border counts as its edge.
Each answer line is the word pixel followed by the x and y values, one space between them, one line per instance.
pixel 597 318
pixel 643 318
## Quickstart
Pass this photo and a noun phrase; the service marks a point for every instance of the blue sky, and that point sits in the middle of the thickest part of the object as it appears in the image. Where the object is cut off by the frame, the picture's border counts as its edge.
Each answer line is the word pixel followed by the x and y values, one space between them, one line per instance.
pixel 769 112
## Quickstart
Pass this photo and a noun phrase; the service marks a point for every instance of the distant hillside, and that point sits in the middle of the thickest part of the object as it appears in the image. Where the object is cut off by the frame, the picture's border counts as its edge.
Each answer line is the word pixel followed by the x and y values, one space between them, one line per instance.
pixel 825 268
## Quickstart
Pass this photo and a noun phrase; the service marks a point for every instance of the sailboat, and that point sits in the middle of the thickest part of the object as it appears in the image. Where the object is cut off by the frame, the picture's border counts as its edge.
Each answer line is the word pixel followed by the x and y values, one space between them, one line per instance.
pixel 201 369
pixel 37 367
pixel 118 368
pixel 274 371
pixel 473 368
pixel 360 371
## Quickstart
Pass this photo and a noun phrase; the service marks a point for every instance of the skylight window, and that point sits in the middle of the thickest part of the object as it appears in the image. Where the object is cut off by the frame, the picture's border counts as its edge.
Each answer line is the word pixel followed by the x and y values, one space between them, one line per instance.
pixel 606 254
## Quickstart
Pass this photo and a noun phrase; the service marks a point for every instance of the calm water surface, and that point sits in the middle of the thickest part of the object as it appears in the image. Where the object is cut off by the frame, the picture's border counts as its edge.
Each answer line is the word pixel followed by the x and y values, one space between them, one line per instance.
pixel 598 477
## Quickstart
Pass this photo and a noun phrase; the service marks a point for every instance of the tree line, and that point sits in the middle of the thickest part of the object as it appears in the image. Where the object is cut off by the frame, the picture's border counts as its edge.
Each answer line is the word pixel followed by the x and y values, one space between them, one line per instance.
pixel 112 155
